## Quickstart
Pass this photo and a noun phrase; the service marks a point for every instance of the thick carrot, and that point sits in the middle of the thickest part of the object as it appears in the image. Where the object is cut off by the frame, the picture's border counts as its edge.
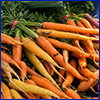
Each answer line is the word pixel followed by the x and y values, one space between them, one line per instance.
pixel 69 77
pixel 48 47
pixel 43 82
pixel 31 88
pixel 17 53
pixel 64 27
pixel 36 62
pixel 9 40
pixel 72 93
pixel 87 73
pixel 91 20
pixel 88 83
pixel 6 91
pixel 62 72
pixel 60 34
pixel 34 48
pixel 66 46
pixel 15 94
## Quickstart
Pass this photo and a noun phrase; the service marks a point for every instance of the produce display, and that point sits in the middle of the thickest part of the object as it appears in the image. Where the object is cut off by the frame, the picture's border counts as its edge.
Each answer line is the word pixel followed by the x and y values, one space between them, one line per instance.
pixel 49 50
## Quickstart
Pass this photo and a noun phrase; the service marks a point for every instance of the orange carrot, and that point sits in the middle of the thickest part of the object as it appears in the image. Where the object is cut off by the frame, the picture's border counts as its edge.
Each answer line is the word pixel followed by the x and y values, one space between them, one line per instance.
pixel 88 83
pixel 87 73
pixel 66 46
pixel 80 24
pixel 17 53
pixel 9 40
pixel 64 27
pixel 69 77
pixel 2 97
pixel 6 91
pixel 43 82
pixel 72 93
pixel 48 47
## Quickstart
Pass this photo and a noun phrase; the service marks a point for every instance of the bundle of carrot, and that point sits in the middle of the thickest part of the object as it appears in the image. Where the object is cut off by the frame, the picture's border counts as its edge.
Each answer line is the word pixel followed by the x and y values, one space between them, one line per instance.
pixel 51 57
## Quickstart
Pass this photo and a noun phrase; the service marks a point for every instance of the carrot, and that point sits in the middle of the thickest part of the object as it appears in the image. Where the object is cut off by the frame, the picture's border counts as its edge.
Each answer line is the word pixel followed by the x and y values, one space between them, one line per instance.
pixel 87 73
pixel 91 20
pixel 9 40
pixel 69 77
pixel 15 94
pixel 48 47
pixel 29 81
pixel 82 62
pixel 2 97
pixel 96 45
pixel 80 24
pixel 34 48
pixel 36 62
pixel 65 46
pixel 17 53
pixel 96 19
pixel 60 34
pixel 6 91
pixel 3 74
pixel 62 72
pixel 72 93
pixel 64 27
pixel 88 83
pixel 43 82
pixel 31 88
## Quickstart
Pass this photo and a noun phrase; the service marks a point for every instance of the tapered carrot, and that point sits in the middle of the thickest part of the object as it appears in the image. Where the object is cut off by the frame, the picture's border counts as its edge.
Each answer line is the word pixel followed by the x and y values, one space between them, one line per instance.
pixel 72 93
pixel 66 46
pixel 9 40
pixel 17 53
pixel 36 62
pixel 57 56
pixel 87 73
pixel 80 24
pixel 64 27
pixel 43 82
pixel 88 83
pixel 34 48
pixel 60 34
pixel 69 77
pixel 31 88
pixel 6 91
pixel 62 72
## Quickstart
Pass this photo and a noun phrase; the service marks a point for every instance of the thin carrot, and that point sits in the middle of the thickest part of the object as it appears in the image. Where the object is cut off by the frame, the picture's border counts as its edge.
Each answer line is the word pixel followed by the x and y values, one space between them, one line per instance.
pixel 34 48
pixel 62 72
pixel 6 91
pixel 87 73
pixel 69 77
pixel 9 40
pixel 36 62
pixel 60 34
pixel 64 27
pixel 31 88
pixel 72 93
pixel 65 46
pixel 15 94
pixel 88 83
pixel 17 53
pixel 48 47
pixel 43 82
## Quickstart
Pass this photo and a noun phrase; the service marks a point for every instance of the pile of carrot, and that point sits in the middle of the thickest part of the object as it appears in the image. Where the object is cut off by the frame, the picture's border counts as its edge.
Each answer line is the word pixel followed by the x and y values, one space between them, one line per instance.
pixel 49 57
